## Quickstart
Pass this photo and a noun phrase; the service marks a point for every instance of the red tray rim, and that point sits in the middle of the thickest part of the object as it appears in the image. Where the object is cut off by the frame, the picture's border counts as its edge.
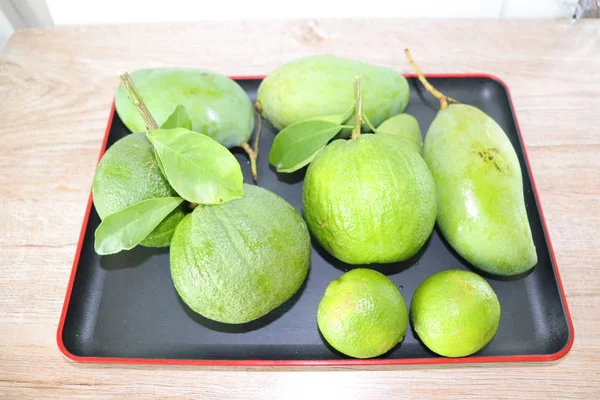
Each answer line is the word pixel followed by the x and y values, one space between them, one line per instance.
pixel 333 362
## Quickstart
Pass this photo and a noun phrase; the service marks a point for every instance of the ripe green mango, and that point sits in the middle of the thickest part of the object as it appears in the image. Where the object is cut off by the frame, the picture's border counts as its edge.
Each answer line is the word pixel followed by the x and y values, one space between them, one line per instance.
pixel 481 209
pixel 219 107
pixel 323 85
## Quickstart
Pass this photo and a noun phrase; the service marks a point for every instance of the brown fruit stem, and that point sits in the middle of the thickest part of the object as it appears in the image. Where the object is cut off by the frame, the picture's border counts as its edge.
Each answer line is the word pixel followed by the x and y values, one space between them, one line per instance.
pixel 258 106
pixel 129 86
pixel 257 134
pixel 358 109
pixel 253 152
pixel 252 156
pixel 436 93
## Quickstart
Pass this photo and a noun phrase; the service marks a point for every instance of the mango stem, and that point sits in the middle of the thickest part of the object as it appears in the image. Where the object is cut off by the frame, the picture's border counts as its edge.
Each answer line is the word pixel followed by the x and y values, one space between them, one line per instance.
pixel 253 157
pixel 436 93
pixel 258 106
pixel 134 95
pixel 258 130
pixel 253 152
pixel 358 113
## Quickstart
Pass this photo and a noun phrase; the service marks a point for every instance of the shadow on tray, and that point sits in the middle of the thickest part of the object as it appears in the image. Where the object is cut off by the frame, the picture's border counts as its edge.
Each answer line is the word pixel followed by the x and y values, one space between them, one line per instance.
pixel 131 258
pixel 248 326
pixel 386 269
pixel 484 274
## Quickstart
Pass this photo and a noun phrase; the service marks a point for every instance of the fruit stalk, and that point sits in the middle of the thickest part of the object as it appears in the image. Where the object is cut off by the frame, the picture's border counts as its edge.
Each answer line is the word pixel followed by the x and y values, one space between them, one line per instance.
pixel 436 93
pixel 258 130
pixel 253 151
pixel 358 109
pixel 252 156
pixel 129 86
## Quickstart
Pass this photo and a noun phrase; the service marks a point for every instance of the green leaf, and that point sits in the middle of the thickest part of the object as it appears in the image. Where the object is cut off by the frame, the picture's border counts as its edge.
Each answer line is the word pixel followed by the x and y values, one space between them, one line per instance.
pixel 366 119
pixel 180 118
pixel 127 228
pixel 197 167
pixel 348 113
pixel 335 118
pixel 297 145
pixel 159 163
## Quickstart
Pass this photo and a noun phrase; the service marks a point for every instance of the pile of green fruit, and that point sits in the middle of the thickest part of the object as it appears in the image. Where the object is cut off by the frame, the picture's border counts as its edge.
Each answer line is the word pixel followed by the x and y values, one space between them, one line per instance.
pixel 236 251
pixel 372 193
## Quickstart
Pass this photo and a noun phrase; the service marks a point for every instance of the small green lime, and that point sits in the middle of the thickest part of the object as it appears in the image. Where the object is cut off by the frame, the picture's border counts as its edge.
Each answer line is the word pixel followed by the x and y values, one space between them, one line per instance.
pixel 127 174
pixel 362 314
pixel 455 313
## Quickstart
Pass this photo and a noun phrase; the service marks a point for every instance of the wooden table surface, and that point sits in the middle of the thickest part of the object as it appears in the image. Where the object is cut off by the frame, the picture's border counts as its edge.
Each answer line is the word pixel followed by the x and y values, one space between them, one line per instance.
pixel 56 88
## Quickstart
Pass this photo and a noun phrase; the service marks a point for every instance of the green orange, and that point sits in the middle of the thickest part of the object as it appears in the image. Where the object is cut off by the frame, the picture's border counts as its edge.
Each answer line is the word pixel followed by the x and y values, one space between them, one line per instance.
pixel 362 314
pixel 369 200
pixel 455 313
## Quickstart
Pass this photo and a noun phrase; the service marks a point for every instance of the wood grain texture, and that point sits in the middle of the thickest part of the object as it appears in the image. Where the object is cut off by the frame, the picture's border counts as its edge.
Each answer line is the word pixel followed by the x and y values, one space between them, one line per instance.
pixel 56 87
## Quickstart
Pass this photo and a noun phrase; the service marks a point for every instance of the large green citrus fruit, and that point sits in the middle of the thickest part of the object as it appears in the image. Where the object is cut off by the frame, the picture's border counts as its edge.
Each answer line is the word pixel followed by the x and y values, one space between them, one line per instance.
pixel 369 200
pixel 237 261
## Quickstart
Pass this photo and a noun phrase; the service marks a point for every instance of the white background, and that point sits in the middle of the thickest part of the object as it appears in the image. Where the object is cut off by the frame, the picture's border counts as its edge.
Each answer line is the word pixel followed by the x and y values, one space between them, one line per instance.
pixel 82 12
pixel 114 11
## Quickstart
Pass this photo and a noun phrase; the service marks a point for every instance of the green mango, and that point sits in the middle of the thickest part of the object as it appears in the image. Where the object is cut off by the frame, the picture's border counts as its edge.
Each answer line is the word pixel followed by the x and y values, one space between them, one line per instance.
pixel 219 107
pixel 323 85
pixel 128 174
pixel 481 209
pixel 369 199
pixel 406 127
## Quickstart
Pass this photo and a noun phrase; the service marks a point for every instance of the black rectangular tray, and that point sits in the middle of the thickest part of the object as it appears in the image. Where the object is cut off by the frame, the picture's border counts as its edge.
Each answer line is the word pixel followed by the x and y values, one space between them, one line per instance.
pixel 123 308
